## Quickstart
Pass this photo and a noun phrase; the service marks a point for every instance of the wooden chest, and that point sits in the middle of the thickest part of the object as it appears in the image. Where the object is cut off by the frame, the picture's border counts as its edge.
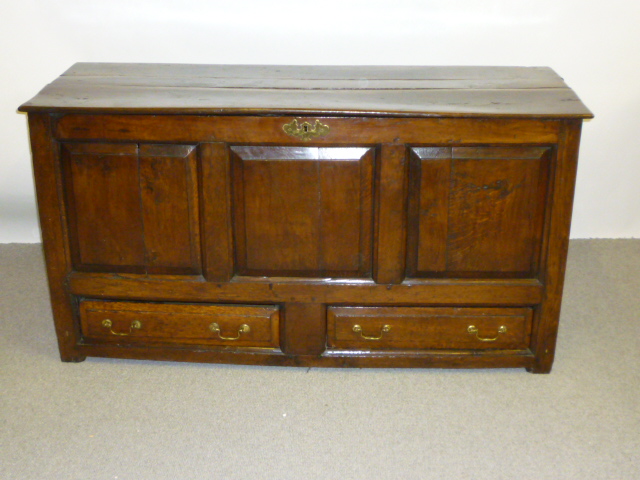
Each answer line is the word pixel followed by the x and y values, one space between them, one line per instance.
pixel 311 216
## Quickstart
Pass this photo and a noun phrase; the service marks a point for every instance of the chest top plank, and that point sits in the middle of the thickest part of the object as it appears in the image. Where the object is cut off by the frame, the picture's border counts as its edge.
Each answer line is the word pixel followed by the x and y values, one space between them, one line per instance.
pixel 327 90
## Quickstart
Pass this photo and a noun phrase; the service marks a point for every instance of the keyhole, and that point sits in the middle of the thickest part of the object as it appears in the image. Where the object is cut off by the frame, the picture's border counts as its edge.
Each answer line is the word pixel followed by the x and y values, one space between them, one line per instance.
pixel 305 128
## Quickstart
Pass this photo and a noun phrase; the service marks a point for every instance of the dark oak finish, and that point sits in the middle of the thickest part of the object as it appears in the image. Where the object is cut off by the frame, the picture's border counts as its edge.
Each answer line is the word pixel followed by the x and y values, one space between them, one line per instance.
pixel 131 208
pixel 305 329
pixel 103 189
pixel 160 323
pixel 348 131
pixel 412 91
pixel 294 211
pixel 391 218
pixel 419 328
pixel 563 185
pixel 426 207
pixel 277 290
pixel 477 211
pixel 55 240
pixel 215 191
pixel 169 194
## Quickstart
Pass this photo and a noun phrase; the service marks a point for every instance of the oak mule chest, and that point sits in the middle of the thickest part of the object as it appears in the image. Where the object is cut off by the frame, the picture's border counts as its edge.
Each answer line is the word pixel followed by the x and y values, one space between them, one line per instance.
pixel 307 216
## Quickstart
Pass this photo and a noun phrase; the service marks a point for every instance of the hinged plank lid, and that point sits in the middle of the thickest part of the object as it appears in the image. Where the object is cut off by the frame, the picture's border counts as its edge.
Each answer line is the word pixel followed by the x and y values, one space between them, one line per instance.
pixel 309 90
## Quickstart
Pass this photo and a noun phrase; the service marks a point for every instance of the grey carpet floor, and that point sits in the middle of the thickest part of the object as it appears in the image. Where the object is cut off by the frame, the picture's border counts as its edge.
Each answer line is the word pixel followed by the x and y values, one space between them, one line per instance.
pixel 115 419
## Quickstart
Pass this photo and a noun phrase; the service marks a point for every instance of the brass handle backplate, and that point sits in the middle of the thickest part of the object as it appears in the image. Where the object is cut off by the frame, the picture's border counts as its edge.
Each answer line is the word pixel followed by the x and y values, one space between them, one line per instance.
pixel 215 328
pixel 358 329
pixel 473 330
pixel 135 325
pixel 305 131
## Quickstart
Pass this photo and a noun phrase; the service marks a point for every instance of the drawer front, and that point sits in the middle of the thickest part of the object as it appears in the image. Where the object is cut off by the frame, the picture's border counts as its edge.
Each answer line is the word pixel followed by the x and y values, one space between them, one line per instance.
pixel 136 322
pixel 416 328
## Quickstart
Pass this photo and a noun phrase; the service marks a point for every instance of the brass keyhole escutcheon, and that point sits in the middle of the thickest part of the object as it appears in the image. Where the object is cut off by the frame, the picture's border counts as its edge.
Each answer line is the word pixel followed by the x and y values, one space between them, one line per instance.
pixel 305 131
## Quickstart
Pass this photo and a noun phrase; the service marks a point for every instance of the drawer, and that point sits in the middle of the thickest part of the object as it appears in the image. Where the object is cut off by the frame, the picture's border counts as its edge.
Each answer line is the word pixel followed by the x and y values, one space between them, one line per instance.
pixel 136 322
pixel 416 328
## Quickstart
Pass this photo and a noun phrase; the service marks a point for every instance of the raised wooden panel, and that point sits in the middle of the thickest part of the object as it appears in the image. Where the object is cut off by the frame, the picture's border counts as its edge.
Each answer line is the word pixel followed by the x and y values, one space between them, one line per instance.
pixel 170 206
pixel 132 209
pixel 477 211
pixel 303 211
pixel 428 208
pixel 494 210
pixel 104 205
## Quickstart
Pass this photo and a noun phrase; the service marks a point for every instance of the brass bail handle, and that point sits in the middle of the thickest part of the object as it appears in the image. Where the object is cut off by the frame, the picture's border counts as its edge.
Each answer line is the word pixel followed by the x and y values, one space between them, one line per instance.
pixel 135 325
pixel 472 329
pixel 215 328
pixel 385 329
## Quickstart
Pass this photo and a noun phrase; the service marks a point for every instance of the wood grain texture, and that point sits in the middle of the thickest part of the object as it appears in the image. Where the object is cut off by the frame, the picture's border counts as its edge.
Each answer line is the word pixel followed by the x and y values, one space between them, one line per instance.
pixel 180 324
pixel 426 359
pixel 477 211
pixel 303 211
pixel 435 198
pixel 268 130
pixel 429 192
pixel 273 290
pixel 132 208
pixel 415 91
pixel 50 197
pixel 391 215
pixel 103 201
pixel 305 328
pixel 169 194
pixel 495 210
pixel 563 186
pixel 416 328
pixel 309 83
pixel 539 76
pixel 215 191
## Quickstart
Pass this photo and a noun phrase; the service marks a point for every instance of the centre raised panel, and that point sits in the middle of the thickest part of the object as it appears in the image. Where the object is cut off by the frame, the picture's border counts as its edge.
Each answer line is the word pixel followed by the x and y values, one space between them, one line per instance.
pixel 303 211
